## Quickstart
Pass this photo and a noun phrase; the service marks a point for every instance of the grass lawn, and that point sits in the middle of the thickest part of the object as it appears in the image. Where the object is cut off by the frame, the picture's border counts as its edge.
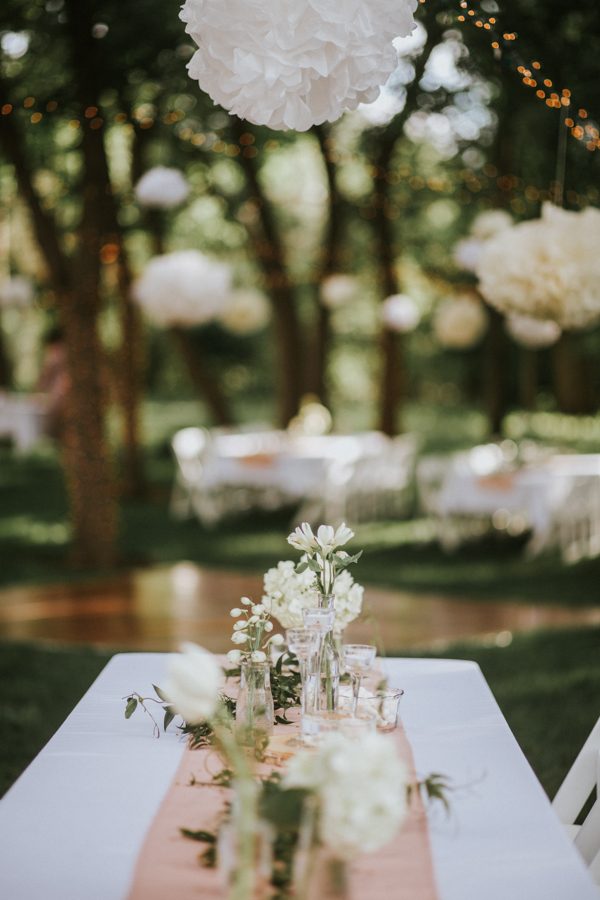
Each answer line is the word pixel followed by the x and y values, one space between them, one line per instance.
pixel 547 684
pixel 34 537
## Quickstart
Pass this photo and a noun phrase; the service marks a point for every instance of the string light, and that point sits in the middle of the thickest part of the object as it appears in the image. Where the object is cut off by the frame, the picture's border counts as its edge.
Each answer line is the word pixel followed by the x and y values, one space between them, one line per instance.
pixel 554 101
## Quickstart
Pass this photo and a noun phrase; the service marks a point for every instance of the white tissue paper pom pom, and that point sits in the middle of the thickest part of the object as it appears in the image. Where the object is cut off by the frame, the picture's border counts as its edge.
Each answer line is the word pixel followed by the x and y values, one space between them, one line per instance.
pixel 400 313
pixel 533 333
pixel 245 311
pixel 547 268
pixel 16 291
pixel 337 290
pixel 294 63
pixel 183 288
pixel 161 188
pixel 459 322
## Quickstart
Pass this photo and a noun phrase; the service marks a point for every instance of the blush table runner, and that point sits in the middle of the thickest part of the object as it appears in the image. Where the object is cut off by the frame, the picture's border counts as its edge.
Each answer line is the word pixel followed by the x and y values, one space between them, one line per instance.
pixel 169 862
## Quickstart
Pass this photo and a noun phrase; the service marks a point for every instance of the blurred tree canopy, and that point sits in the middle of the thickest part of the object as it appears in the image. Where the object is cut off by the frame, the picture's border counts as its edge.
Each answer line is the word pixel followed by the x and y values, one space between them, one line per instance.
pixel 92 94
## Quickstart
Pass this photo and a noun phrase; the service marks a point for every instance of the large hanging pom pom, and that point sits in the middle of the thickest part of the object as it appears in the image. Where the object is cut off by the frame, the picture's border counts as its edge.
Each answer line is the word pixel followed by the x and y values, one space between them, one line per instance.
pixel 16 291
pixel 291 64
pixel 547 268
pixel 400 313
pixel 533 333
pixel 245 312
pixel 161 188
pixel 460 322
pixel 184 288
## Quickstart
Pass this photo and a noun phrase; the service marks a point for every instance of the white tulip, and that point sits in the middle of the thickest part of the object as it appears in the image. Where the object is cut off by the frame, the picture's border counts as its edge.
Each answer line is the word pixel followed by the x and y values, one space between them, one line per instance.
pixel 193 683
pixel 277 640
pixel 258 610
pixel 239 626
pixel 268 626
pixel 235 657
pixel 235 612
pixel 246 601
pixel 258 656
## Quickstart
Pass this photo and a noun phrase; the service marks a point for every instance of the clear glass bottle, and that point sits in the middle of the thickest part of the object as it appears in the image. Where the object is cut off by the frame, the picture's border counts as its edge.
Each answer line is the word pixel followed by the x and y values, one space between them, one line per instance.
pixel 254 713
pixel 326 680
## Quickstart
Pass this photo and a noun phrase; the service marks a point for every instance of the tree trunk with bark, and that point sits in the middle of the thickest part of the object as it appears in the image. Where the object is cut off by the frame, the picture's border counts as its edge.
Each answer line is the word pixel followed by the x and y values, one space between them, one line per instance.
pixel 271 257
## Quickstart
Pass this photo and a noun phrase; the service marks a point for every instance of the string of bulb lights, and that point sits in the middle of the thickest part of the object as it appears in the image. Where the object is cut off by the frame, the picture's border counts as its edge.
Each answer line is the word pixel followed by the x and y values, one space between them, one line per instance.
pixel 578 122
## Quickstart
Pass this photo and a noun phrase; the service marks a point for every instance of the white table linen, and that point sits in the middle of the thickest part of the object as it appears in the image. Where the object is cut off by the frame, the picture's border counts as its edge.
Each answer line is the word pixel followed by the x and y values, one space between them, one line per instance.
pixel 73 824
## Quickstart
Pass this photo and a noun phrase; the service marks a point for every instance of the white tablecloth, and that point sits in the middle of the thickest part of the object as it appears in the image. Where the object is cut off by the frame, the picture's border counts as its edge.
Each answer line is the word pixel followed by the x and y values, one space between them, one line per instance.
pixel 73 824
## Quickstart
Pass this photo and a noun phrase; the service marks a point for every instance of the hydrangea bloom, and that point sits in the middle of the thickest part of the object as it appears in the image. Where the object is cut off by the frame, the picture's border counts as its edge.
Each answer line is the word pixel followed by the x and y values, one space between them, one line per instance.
pixel 287 594
pixel 361 787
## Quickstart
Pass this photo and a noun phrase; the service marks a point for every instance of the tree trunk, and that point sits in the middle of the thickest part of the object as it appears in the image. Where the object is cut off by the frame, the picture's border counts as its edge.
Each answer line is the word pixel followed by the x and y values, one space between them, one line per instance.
pixel 392 350
pixel 528 381
pixel 271 257
pixel 6 379
pixel 317 373
pixel 205 384
pixel 494 378
pixel 571 384
pixel 88 471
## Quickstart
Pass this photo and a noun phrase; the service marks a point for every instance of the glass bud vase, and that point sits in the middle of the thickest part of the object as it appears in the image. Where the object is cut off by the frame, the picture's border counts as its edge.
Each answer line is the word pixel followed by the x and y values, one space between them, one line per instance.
pixel 254 713
pixel 328 681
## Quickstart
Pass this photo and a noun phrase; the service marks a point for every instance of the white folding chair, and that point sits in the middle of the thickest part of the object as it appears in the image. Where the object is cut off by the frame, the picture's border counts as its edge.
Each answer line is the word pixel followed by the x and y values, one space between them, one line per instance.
pixel 574 793
pixel 190 447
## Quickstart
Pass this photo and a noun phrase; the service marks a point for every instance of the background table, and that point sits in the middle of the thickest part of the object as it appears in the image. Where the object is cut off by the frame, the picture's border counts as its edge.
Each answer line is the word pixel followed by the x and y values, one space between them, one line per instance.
pixel 73 824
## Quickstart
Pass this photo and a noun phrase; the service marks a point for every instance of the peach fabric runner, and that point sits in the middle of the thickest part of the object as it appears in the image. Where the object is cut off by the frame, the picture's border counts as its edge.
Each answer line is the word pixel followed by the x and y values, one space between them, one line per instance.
pixel 169 866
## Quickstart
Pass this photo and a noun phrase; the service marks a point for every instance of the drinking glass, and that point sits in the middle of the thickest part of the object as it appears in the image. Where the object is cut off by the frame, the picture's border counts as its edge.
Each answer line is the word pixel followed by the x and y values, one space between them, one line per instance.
pixel 302 642
pixel 357 659
pixel 319 620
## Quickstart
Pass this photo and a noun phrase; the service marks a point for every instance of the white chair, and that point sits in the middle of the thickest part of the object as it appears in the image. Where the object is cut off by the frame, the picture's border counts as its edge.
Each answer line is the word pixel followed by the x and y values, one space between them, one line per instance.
pixel 190 448
pixel 574 793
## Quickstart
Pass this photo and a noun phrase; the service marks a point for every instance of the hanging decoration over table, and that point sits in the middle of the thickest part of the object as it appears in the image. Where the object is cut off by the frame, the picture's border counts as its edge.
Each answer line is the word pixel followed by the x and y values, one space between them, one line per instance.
pixel 16 291
pixel 400 313
pixel 162 188
pixel 184 288
pixel 546 268
pixel 294 63
pixel 535 334
pixel 245 312
pixel 484 227
pixel 337 290
pixel 460 322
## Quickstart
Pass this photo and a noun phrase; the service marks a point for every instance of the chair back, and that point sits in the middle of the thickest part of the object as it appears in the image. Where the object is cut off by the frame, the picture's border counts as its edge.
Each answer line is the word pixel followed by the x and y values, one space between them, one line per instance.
pixel 574 793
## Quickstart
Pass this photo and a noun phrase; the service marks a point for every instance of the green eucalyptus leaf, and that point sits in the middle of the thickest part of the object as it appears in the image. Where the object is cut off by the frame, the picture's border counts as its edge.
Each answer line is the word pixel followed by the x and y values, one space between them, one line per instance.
pixel 169 716
pixel 131 707
pixel 160 694
pixel 301 567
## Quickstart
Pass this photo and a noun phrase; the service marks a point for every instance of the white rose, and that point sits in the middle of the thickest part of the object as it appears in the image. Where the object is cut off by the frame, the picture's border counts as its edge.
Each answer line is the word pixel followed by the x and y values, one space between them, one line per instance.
pixel 193 683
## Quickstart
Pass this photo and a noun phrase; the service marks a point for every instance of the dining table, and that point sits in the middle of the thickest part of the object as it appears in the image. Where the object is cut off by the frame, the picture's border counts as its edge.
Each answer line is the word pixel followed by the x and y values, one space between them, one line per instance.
pixel 73 825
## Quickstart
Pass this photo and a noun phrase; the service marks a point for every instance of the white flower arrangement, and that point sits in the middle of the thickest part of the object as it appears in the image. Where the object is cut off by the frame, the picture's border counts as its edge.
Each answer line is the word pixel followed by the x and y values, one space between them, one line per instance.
pixel 183 288
pixel 546 268
pixel 361 789
pixel 295 63
pixel 460 322
pixel 400 313
pixel 253 623
pixel 193 685
pixel 533 333
pixel 245 312
pixel 162 188
pixel 287 593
